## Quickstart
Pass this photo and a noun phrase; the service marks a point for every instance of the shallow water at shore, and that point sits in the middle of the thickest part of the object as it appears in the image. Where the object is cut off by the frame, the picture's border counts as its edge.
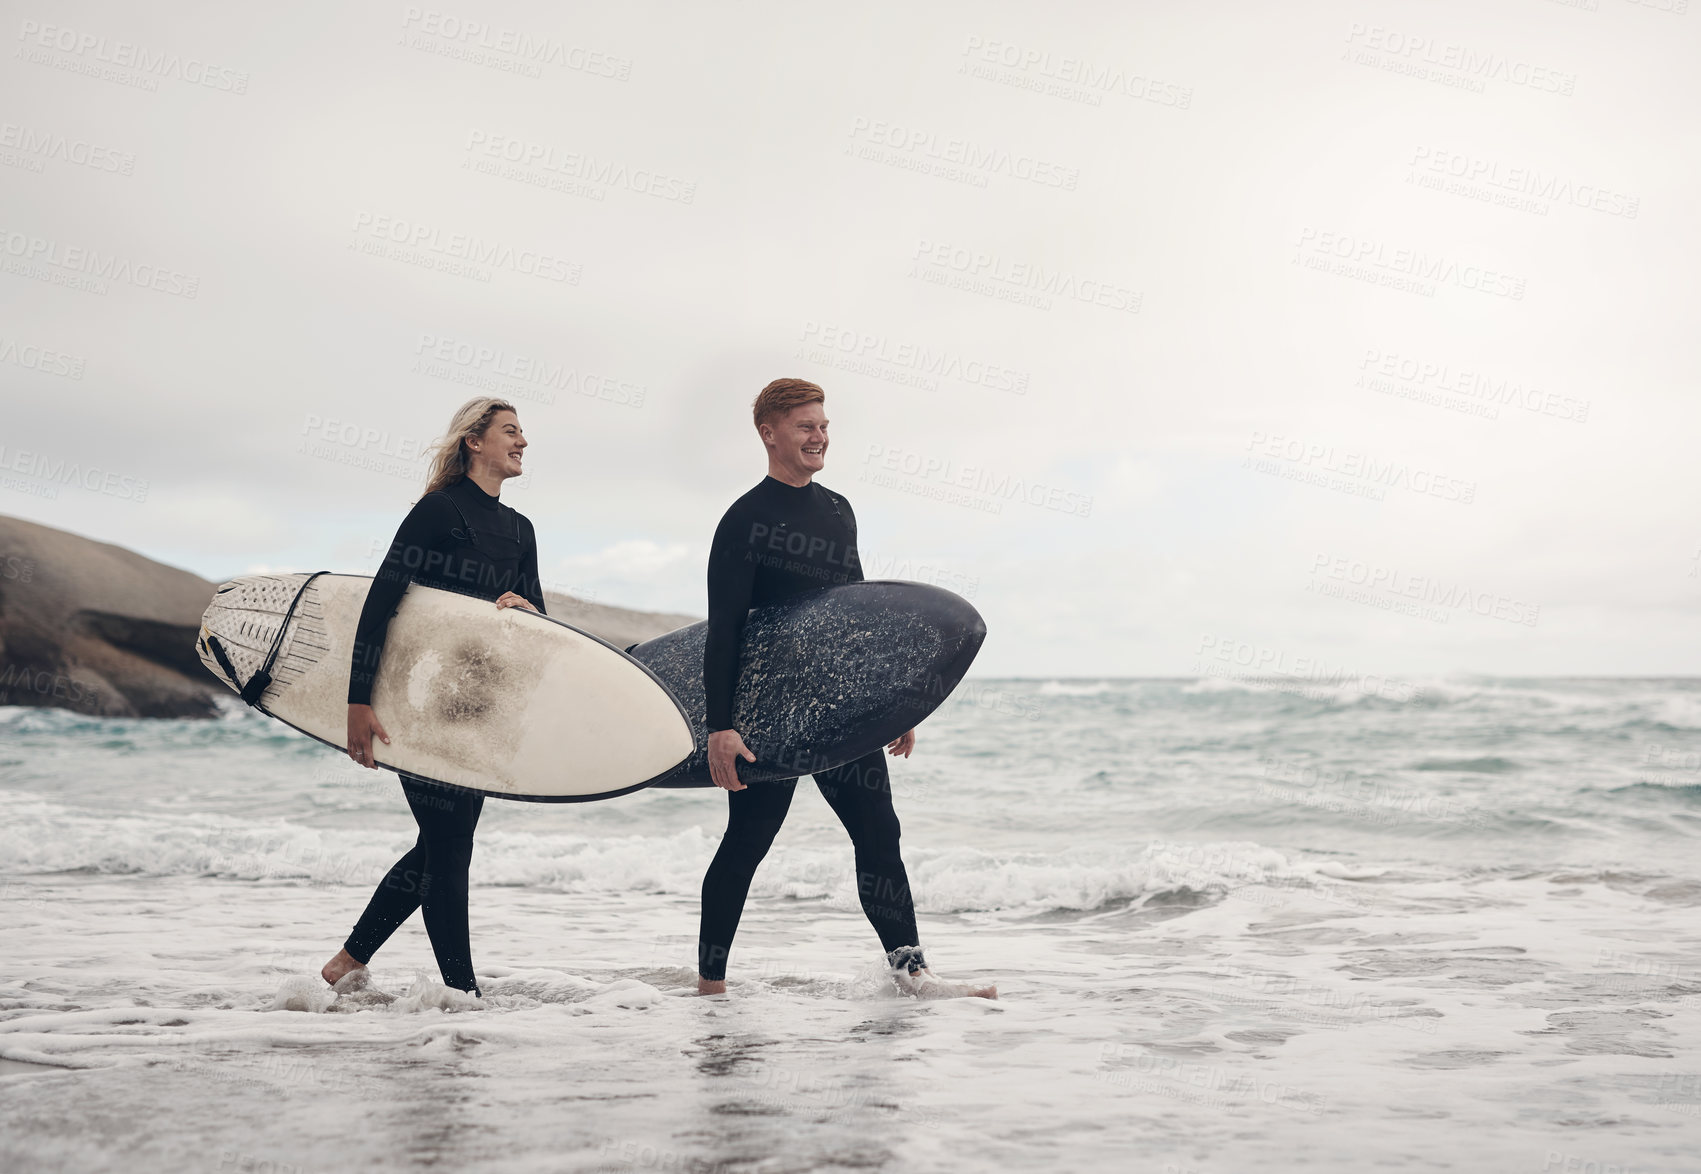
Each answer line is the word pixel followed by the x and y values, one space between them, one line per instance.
pixel 1233 928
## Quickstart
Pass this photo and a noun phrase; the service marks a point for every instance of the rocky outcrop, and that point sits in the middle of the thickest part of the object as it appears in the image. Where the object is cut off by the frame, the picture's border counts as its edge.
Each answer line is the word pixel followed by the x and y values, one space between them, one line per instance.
pixel 94 627
pixel 99 629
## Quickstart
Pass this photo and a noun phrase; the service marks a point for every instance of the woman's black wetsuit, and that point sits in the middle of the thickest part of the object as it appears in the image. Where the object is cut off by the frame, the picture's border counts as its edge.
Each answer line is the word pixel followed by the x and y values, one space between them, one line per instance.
pixel 458 539
pixel 777 541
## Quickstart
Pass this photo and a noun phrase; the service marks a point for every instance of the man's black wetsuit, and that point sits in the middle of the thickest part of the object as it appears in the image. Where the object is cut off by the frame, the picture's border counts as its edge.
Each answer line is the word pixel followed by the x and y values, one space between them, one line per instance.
pixel 459 539
pixel 777 541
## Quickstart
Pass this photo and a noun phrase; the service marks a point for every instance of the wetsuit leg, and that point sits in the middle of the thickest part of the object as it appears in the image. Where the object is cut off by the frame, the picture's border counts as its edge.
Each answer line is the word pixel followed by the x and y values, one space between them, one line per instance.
pixel 432 876
pixel 754 816
pixel 392 903
pixel 860 794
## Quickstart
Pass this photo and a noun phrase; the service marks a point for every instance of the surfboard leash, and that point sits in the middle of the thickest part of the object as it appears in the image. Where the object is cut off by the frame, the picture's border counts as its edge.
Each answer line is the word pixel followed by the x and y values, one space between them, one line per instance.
pixel 261 680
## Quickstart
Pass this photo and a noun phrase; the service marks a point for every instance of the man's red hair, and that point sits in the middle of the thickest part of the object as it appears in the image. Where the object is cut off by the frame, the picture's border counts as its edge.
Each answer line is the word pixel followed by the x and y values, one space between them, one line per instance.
pixel 781 396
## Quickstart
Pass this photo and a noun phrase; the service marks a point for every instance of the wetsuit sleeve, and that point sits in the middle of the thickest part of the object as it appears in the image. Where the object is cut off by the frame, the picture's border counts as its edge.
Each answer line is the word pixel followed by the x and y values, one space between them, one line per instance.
pixel 532 587
pixel 732 576
pixel 855 572
pixel 421 531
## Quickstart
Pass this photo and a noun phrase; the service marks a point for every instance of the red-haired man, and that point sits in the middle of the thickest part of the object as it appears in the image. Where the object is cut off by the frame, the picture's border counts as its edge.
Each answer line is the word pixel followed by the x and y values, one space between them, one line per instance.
pixel 745 572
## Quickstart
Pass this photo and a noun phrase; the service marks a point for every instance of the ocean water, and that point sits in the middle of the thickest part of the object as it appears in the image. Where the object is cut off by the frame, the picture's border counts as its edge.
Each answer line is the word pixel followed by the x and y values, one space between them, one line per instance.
pixel 1236 924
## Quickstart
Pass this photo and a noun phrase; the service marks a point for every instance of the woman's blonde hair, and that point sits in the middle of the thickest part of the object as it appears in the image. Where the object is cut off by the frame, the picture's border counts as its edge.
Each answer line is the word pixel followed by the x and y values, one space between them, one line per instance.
pixel 449 457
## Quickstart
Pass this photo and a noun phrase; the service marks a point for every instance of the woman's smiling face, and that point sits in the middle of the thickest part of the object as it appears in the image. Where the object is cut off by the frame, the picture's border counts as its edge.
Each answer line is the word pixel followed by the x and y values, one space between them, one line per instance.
pixel 499 450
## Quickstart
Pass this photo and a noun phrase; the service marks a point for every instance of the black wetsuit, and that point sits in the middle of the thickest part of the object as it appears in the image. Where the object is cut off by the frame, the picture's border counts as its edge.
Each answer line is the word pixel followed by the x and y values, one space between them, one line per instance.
pixel 777 541
pixel 460 539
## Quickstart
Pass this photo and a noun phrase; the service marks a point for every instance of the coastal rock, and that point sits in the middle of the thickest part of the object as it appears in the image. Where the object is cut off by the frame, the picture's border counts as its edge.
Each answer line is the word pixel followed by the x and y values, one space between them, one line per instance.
pixel 94 627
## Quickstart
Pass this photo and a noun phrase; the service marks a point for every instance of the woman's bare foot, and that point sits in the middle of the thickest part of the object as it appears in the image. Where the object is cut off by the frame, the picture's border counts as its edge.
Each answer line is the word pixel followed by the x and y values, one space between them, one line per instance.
pixel 711 986
pixel 342 964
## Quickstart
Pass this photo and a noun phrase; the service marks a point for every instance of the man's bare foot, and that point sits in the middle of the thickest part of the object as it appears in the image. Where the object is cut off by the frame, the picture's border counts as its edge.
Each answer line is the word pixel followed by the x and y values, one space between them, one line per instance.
pixel 342 964
pixel 924 984
pixel 711 986
pixel 910 973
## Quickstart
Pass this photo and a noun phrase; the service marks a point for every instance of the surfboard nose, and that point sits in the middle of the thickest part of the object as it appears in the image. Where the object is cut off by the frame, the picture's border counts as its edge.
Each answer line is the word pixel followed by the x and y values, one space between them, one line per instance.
pixel 958 614
pixel 945 610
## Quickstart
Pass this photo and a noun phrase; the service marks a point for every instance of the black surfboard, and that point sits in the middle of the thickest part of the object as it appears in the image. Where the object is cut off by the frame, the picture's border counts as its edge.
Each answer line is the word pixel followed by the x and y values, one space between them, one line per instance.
pixel 824 677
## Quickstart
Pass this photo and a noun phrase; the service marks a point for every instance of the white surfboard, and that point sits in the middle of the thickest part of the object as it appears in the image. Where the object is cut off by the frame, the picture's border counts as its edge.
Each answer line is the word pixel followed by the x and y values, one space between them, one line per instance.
pixel 509 702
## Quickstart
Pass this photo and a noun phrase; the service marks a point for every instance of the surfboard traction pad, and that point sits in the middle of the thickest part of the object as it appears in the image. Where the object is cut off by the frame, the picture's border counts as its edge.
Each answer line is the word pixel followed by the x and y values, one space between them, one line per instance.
pixel 306 643
pixel 812 672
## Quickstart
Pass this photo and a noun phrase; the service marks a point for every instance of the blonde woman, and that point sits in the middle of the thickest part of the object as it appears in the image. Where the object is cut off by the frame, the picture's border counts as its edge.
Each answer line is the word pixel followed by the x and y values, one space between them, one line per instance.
pixel 458 537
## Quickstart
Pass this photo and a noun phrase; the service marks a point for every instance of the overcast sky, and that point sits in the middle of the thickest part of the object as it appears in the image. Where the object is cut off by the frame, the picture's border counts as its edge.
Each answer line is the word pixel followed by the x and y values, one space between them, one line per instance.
pixel 1179 337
